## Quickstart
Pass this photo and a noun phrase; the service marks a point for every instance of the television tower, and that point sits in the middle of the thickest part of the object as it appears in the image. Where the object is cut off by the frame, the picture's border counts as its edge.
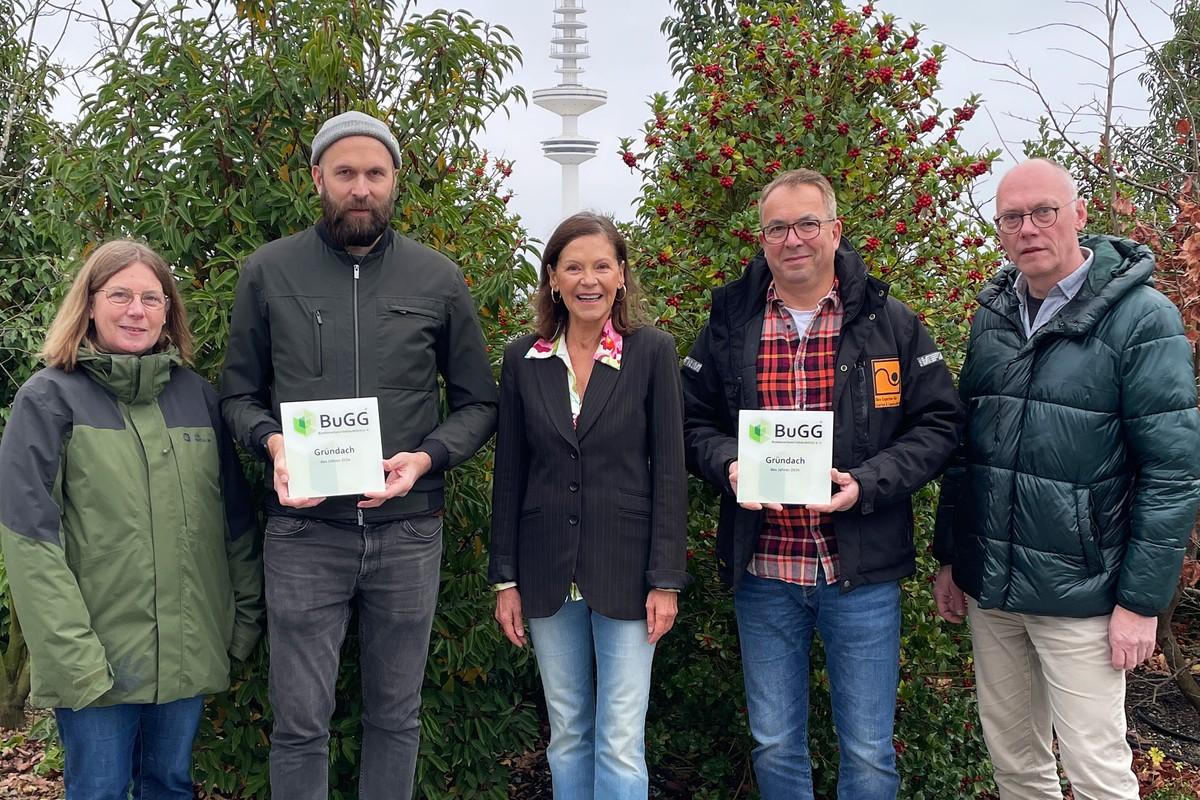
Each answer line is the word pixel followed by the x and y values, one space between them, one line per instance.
pixel 569 100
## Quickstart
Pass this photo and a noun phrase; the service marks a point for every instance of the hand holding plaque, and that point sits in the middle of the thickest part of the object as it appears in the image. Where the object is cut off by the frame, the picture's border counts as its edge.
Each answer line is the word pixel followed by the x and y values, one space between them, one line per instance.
pixel 784 456
pixel 332 447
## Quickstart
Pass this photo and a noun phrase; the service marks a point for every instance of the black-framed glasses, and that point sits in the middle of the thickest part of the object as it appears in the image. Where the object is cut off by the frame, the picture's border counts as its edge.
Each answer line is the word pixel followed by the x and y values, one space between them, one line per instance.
pixel 120 296
pixel 1041 217
pixel 777 232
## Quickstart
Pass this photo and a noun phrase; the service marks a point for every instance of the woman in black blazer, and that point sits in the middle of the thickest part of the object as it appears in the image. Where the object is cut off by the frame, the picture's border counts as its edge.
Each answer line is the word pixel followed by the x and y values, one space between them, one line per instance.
pixel 589 507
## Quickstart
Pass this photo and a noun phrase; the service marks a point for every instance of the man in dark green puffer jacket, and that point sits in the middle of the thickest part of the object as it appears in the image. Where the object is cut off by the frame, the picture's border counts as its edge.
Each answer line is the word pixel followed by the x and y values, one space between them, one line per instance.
pixel 1065 516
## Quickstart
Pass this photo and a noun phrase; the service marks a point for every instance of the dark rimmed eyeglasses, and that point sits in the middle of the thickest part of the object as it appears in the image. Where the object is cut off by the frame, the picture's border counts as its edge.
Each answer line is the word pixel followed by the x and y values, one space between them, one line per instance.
pixel 777 232
pixel 1041 217
pixel 119 296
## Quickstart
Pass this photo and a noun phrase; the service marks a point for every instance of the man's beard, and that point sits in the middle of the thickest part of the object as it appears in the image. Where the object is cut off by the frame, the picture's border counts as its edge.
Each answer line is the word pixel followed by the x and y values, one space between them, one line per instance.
pixel 348 231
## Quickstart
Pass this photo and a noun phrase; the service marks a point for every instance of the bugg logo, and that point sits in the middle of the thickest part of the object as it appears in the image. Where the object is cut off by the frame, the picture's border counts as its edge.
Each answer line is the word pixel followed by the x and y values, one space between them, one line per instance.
pixel 347 420
pixel 815 431
pixel 758 432
pixel 304 424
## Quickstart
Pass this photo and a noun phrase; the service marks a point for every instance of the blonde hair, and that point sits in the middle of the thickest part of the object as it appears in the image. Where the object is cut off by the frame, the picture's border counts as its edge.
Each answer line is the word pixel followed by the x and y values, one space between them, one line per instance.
pixel 72 325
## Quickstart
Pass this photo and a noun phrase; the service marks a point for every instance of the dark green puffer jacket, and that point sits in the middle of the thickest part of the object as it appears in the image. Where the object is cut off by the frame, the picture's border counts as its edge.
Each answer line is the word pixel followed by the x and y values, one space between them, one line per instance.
pixel 128 533
pixel 1077 482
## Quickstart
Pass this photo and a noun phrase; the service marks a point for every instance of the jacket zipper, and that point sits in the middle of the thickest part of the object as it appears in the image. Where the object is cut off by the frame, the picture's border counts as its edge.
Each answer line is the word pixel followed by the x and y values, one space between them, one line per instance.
pixel 357 382
pixel 320 354
pixel 864 403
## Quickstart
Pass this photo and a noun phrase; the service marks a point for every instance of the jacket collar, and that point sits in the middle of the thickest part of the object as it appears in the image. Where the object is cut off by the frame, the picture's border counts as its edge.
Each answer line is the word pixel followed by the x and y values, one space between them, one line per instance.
pixel 134 380
pixel 385 240
pixel 746 297
pixel 1118 266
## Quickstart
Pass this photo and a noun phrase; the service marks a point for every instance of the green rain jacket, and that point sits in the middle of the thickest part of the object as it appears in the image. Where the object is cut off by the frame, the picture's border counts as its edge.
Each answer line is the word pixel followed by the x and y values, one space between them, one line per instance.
pixel 128 534
pixel 1076 485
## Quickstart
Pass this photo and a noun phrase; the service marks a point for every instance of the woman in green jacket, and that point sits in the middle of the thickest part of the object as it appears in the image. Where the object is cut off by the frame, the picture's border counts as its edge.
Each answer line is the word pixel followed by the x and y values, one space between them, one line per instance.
pixel 127 531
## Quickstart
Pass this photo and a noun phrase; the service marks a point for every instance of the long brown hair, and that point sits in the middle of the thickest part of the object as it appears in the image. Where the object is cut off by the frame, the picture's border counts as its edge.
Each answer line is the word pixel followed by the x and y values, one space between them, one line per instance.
pixel 72 324
pixel 552 316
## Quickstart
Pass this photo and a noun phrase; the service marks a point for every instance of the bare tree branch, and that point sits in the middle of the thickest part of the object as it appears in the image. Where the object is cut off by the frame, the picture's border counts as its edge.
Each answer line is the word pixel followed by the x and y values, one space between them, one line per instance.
pixel 1048 25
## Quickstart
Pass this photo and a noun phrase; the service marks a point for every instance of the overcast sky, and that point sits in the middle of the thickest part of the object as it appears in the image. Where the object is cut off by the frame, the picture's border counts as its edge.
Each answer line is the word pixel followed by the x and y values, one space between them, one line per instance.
pixel 629 61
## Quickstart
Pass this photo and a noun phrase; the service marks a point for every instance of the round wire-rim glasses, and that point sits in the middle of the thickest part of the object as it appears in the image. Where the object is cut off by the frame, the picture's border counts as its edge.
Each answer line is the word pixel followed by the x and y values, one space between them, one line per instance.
pixel 1041 217
pixel 120 296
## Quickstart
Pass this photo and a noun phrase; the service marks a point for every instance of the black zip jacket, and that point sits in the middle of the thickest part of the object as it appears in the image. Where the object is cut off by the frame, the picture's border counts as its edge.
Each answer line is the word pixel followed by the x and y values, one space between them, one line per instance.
pixel 891 448
pixel 312 322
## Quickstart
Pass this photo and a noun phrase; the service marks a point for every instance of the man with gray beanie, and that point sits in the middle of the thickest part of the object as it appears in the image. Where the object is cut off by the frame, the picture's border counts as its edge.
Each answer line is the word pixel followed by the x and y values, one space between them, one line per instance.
pixel 349 308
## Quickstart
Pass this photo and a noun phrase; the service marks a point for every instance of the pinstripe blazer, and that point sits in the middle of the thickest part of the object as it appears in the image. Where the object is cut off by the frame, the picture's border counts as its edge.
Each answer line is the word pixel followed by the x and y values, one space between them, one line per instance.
pixel 603 503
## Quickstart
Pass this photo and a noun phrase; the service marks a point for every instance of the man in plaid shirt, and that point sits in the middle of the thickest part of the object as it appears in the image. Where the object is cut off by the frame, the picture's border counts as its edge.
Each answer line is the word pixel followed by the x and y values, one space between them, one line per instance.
pixel 806 327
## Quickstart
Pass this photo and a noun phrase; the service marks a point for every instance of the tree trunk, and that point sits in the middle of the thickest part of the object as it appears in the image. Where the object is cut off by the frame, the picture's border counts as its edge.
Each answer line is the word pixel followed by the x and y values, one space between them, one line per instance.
pixel 12 715
pixel 1177 661
pixel 14 676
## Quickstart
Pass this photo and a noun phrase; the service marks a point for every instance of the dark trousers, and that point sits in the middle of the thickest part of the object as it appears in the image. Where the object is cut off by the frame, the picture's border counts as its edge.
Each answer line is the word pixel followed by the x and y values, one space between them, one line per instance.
pixel 314 572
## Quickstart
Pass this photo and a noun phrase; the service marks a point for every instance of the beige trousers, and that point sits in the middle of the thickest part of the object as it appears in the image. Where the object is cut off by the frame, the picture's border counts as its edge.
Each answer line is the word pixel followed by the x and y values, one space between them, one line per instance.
pixel 1039 676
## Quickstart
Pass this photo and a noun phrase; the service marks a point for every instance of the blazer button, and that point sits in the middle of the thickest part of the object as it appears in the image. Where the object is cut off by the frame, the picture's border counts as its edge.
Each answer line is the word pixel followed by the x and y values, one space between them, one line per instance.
pixel 846 584
pixel 573 520
pixel 573 486
pixel 844 368
pixel 574 456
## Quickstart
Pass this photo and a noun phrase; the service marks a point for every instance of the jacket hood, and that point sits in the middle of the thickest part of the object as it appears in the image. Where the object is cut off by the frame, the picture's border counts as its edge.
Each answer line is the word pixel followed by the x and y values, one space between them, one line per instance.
pixel 1118 267
pixel 132 379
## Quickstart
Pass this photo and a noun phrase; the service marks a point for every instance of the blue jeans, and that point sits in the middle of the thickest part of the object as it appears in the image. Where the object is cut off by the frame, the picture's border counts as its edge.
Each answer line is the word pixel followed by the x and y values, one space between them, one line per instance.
pixel 315 572
pixel 597 737
pixel 149 746
pixel 861 633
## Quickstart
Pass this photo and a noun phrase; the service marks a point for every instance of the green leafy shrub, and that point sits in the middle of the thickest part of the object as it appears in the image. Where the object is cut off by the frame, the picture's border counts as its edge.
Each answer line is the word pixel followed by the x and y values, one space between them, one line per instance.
pixel 848 92
pixel 197 141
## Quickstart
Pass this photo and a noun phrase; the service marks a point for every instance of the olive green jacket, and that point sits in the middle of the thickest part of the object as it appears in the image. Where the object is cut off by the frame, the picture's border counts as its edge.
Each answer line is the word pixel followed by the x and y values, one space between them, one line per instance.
pixel 128 534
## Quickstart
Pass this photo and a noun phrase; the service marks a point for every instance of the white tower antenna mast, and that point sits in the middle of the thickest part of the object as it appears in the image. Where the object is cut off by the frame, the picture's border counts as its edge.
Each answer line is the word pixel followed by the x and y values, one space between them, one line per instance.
pixel 569 100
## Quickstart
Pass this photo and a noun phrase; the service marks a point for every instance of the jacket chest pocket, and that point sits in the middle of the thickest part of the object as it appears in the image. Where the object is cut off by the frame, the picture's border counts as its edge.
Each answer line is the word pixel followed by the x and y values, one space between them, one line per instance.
pixel 407 342
pixel 199 466
pixel 318 353
pixel 304 338
pixel 861 398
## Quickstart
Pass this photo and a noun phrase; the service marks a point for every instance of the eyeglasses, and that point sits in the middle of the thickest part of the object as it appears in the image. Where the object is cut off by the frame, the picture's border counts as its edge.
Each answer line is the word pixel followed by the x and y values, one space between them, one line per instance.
pixel 118 296
pixel 1041 217
pixel 777 233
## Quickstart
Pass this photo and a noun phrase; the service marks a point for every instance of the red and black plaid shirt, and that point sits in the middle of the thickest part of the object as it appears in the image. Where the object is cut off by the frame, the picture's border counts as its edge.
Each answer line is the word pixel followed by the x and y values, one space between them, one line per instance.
pixel 795 370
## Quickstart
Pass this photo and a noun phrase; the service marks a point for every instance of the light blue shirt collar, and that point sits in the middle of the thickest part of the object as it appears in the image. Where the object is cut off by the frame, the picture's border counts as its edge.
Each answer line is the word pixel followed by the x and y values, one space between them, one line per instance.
pixel 1059 295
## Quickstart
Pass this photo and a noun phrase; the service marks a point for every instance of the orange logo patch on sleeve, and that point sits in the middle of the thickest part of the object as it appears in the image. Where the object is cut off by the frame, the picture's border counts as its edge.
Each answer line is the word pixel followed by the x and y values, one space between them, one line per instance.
pixel 887 382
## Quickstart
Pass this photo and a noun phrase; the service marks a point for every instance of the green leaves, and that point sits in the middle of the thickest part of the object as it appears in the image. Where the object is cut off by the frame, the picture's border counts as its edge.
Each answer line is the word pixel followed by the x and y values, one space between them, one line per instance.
pixel 847 92
pixel 197 140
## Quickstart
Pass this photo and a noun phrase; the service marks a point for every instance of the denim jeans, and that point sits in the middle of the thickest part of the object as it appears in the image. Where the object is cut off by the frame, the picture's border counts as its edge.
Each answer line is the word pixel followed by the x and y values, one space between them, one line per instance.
pixel 861 634
pixel 597 736
pixel 143 747
pixel 315 571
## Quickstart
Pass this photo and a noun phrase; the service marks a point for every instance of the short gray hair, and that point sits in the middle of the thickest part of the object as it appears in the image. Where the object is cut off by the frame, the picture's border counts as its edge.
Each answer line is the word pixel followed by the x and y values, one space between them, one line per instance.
pixel 801 177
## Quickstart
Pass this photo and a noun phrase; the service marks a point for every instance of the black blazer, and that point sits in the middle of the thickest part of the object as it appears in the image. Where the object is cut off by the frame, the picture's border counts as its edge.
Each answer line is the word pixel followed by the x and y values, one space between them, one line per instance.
pixel 604 503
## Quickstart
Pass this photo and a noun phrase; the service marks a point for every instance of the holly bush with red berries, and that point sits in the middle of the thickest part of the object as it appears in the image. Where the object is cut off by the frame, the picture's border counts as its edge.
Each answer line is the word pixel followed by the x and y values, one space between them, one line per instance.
pixel 851 93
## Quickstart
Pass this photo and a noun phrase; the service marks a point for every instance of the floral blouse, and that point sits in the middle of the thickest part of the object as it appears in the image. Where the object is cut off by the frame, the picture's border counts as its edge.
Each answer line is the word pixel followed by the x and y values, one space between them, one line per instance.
pixel 608 352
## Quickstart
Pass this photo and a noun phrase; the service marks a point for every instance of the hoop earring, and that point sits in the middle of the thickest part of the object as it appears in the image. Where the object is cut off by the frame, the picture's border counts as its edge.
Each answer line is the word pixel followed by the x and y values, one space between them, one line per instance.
pixel 555 296
pixel 621 292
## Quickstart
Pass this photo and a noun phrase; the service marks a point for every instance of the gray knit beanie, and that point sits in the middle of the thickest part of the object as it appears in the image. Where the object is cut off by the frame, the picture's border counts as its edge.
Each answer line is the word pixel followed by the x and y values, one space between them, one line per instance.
pixel 354 123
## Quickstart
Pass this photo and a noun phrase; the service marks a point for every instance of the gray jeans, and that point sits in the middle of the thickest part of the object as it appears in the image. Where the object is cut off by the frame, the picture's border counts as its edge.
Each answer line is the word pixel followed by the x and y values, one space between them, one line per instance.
pixel 314 572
